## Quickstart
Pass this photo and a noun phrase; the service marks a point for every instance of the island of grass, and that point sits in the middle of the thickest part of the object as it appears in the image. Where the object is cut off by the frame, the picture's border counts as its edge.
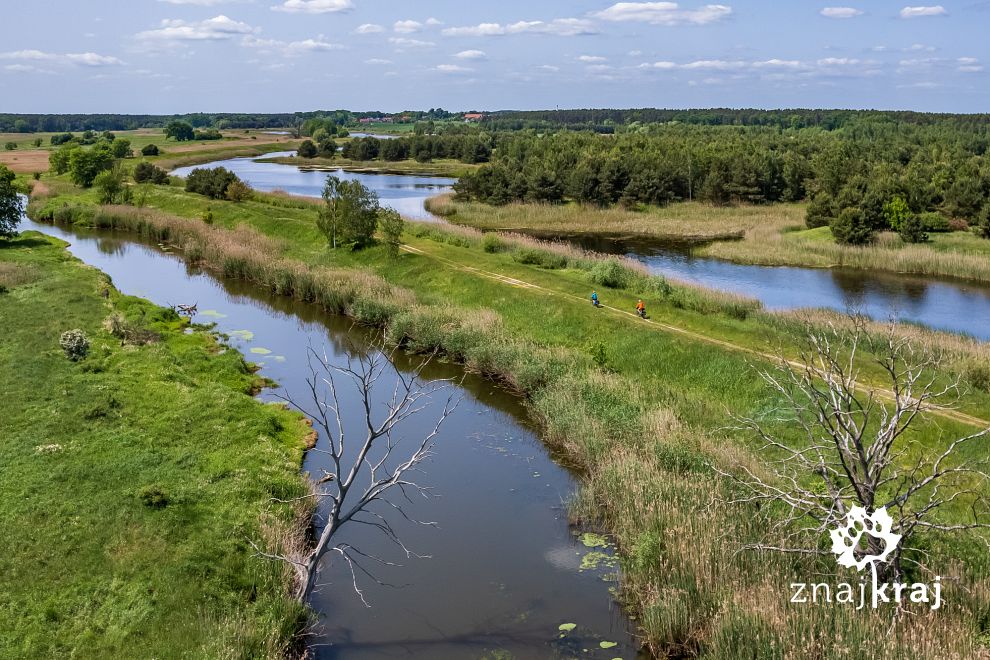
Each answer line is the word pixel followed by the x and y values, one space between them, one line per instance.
pixel 642 409
pixel 766 235
pixel 134 478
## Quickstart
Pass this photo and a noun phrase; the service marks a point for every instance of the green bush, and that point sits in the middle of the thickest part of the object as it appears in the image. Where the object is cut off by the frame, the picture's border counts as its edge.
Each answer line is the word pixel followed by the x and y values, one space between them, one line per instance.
pixel 150 150
pixel 541 258
pixel 75 344
pixel 154 497
pixel 491 244
pixel 610 273
pixel 852 227
pixel 935 222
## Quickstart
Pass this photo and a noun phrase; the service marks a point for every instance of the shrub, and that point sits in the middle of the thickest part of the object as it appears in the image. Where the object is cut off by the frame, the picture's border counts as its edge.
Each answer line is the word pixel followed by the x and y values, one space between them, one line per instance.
pixel 958 224
pixel 36 176
pixel 75 344
pixel 491 244
pixel 851 227
pixel 210 182
pixel 538 257
pixel 937 222
pixel 238 191
pixel 307 149
pixel 145 172
pixel 912 229
pixel 609 273
pixel 10 146
pixel 154 497
pixel 150 150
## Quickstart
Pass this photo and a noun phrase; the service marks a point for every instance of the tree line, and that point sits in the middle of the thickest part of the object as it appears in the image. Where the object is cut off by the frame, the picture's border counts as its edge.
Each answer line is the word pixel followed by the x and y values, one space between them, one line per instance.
pixel 869 175
pixel 422 148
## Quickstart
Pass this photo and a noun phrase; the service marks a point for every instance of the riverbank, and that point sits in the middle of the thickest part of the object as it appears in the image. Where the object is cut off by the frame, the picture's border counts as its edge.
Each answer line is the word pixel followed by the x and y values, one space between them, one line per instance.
pixel 640 408
pixel 134 478
pixel 771 235
pixel 444 168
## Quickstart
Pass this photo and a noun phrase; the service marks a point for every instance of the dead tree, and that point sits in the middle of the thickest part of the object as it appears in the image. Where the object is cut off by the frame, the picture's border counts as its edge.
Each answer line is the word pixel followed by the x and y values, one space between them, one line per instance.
pixel 855 447
pixel 368 471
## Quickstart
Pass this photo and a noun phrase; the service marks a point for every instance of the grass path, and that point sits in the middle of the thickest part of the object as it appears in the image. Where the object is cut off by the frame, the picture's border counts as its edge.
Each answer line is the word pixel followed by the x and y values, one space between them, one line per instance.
pixel 942 411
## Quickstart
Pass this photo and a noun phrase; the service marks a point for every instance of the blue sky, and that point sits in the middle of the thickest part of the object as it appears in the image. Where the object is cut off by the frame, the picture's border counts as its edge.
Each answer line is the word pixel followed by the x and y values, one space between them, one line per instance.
pixel 164 56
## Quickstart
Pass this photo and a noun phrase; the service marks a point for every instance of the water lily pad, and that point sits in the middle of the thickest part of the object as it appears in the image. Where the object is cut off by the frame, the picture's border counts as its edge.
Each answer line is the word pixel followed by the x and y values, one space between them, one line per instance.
pixel 593 560
pixel 213 314
pixel 277 358
pixel 245 335
pixel 608 645
pixel 594 540
pixel 567 627
pixel 261 351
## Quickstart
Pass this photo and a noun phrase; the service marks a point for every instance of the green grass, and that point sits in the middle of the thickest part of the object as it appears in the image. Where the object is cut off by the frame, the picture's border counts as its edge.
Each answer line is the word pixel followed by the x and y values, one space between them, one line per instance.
pixel 87 568
pixel 643 430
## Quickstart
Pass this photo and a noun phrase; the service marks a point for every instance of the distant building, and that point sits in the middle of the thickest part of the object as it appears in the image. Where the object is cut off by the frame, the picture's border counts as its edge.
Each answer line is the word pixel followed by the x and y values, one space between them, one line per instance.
pixel 473 116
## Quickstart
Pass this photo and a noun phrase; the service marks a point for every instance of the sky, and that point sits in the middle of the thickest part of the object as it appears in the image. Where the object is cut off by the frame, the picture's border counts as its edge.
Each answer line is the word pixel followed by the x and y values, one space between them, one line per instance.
pixel 176 56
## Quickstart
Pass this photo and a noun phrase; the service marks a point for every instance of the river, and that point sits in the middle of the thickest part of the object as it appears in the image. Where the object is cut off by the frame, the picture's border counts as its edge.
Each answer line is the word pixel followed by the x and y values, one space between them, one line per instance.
pixel 506 568
pixel 944 304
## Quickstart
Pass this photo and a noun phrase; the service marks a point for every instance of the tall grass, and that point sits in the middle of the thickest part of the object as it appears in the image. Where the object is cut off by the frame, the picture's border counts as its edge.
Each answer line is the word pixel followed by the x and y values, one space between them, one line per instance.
pixel 648 478
pixel 601 270
pixel 682 221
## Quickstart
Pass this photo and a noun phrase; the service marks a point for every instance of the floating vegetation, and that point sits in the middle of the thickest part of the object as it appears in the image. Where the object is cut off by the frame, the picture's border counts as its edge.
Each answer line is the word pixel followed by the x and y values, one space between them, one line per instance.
pixel 277 358
pixel 590 540
pixel 594 560
pixel 566 627
pixel 244 335
pixel 608 645
pixel 261 351
pixel 213 314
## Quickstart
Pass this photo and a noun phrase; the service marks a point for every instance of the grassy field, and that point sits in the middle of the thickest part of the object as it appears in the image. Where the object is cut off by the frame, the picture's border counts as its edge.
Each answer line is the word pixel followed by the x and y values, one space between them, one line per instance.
pixel 640 408
pixel 132 479
pixel 28 159
pixel 773 235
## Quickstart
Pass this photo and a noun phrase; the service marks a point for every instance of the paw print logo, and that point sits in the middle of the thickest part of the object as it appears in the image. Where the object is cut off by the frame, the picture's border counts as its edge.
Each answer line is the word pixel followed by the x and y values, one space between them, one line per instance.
pixel 846 540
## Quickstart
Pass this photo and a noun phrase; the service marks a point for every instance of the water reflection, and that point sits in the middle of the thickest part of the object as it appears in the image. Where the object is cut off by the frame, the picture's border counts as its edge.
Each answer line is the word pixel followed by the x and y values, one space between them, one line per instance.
pixel 496 581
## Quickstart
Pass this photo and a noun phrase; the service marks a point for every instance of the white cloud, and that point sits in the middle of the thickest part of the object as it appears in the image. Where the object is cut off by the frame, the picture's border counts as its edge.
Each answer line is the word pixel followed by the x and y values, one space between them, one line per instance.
pixel 433 22
pixel 407 27
pixel 664 13
pixel 217 28
pixel 969 65
pixel 312 45
pixel 80 59
pixel 663 65
pixel 917 12
pixel 314 6
pixel 916 48
pixel 403 42
pixel 561 27
pixel 549 68
pixel 592 59
pixel 841 12
pixel 369 28
pixel 471 55
pixel 377 60
pixel 25 68
pixel 452 68
pixel 715 65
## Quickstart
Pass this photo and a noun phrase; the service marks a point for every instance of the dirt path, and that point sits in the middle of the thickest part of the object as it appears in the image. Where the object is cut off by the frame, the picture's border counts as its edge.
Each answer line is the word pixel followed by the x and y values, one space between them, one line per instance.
pixel 941 411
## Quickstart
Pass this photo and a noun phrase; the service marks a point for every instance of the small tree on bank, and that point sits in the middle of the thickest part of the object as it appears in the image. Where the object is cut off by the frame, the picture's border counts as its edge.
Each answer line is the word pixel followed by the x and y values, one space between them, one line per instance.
pixel 390 223
pixel 11 206
pixel 350 216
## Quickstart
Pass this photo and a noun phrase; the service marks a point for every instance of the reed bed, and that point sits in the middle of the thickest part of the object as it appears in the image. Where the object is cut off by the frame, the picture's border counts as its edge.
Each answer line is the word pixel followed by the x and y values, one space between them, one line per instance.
pixel 686 221
pixel 648 478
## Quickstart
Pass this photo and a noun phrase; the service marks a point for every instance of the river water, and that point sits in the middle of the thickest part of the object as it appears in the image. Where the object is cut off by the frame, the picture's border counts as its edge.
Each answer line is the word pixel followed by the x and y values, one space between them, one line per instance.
pixel 951 305
pixel 506 568
pixel 403 192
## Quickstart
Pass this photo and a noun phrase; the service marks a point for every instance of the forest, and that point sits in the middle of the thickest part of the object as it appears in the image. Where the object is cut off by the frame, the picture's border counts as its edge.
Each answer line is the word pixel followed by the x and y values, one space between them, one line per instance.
pixel 872 174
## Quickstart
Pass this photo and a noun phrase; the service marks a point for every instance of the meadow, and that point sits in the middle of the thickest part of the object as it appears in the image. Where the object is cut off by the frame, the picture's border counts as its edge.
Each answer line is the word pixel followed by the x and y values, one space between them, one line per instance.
pixel 640 409
pixel 134 478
